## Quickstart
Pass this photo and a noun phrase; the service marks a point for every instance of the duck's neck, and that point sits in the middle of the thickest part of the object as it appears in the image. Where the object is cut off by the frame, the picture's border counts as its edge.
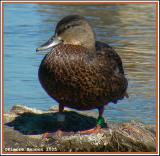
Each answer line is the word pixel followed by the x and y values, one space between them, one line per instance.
pixel 90 46
pixel 91 49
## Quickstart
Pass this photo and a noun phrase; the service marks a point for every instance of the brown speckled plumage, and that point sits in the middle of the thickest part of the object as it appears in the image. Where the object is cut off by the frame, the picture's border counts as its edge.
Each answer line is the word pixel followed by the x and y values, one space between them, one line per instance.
pixel 82 75
pixel 82 80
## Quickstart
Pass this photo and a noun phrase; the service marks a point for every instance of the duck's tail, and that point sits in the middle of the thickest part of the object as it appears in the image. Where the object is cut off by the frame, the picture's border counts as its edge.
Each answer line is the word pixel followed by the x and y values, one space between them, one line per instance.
pixel 126 95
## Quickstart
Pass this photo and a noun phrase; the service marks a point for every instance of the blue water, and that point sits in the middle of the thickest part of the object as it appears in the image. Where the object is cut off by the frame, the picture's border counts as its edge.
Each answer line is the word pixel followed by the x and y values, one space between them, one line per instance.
pixel 130 29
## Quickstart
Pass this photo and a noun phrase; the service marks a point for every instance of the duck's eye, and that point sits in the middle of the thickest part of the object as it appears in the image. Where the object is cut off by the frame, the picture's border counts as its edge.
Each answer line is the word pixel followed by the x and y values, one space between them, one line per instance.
pixel 62 29
pixel 67 27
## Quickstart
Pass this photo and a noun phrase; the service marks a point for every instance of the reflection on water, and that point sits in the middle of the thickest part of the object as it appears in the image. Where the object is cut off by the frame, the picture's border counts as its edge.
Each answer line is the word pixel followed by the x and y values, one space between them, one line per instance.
pixel 130 29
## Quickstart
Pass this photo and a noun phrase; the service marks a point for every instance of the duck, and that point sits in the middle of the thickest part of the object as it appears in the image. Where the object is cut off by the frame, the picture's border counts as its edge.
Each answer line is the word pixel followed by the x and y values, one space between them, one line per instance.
pixel 80 72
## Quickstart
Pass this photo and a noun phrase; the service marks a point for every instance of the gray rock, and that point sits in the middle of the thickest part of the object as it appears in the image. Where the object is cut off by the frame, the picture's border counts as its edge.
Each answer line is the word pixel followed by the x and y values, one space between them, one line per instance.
pixel 24 128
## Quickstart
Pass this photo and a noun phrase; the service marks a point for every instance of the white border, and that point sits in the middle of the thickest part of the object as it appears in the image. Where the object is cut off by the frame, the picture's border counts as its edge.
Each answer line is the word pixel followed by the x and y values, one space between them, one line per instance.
pixel 76 2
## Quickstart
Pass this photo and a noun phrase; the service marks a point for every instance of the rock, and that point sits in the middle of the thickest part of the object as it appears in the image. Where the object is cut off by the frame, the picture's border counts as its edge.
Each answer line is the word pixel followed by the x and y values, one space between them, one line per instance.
pixel 24 128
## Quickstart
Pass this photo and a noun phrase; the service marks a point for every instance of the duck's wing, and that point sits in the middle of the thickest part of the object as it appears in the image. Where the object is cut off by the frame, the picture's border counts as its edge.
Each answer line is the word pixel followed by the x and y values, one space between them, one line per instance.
pixel 110 55
pixel 116 83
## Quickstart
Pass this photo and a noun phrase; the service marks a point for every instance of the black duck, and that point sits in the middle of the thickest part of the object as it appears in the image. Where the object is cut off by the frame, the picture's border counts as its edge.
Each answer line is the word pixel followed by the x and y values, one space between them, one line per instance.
pixel 80 72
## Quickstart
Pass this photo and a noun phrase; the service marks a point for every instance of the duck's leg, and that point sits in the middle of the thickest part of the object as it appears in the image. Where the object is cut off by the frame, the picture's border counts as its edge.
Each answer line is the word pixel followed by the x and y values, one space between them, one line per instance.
pixel 60 120
pixel 100 123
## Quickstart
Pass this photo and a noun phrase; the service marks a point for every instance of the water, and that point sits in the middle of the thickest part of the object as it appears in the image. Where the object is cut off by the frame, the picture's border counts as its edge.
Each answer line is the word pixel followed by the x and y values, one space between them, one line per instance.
pixel 130 29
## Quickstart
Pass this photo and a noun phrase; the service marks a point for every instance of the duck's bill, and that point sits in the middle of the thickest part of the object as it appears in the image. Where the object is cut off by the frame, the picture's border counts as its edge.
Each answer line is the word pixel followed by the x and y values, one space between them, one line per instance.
pixel 52 42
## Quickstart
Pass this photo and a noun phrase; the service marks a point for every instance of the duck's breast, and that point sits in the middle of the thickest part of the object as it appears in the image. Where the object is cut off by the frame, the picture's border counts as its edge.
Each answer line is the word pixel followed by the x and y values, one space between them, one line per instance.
pixel 77 78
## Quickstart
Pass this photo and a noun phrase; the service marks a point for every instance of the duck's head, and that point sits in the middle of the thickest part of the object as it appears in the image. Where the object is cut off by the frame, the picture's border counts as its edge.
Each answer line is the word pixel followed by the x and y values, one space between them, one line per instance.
pixel 73 30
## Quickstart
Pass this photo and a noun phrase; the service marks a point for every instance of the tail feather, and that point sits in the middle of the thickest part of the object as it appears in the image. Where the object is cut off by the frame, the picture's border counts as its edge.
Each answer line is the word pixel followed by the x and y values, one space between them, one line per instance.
pixel 126 95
